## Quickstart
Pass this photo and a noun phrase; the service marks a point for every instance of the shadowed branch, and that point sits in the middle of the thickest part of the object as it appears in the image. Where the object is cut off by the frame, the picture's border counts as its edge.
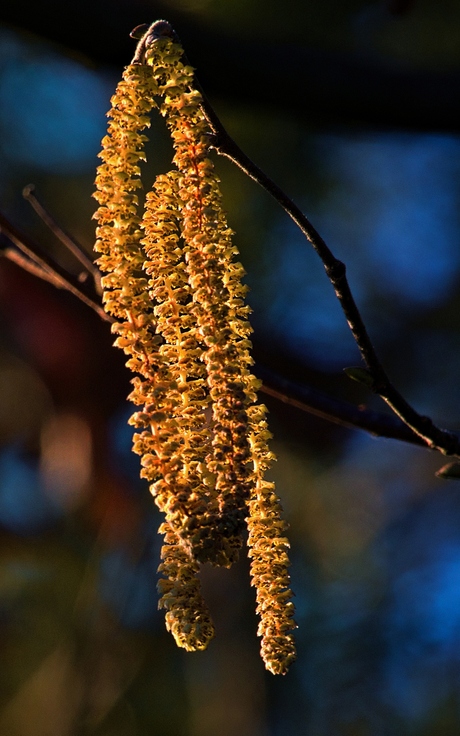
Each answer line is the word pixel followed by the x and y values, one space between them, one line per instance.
pixel 443 441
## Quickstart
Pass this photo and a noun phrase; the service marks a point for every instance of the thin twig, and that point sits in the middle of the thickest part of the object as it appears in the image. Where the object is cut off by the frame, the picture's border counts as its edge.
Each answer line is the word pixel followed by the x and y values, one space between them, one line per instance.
pixel 442 440
pixel 39 263
pixel 334 410
pixel 15 256
pixel 70 243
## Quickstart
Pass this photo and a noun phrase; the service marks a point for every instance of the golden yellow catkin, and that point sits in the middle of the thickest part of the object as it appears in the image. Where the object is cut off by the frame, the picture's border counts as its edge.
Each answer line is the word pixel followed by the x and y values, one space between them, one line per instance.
pixel 118 181
pixel 126 296
pixel 187 616
pixel 268 551
pixel 186 492
pixel 215 281
pixel 221 317
pixel 174 284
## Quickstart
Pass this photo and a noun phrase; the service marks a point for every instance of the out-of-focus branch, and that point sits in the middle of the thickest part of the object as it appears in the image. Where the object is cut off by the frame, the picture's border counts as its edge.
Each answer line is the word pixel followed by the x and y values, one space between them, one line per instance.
pixel 29 256
pixel 27 264
pixel 72 246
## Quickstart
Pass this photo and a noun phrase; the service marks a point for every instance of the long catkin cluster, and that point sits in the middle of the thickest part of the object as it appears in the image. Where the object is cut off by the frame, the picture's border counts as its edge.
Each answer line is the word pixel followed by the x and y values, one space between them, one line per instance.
pixel 174 285
pixel 126 297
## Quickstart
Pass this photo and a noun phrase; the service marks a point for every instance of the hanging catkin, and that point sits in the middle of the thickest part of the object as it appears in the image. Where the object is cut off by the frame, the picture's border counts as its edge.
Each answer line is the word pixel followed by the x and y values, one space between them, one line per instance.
pixel 174 282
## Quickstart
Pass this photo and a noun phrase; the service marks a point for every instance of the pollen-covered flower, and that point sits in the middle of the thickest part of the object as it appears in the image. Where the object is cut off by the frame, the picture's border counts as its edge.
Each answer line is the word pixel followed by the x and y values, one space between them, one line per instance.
pixel 126 296
pixel 173 282
pixel 215 281
pixel 118 181
pixel 185 490
pixel 268 551
pixel 187 616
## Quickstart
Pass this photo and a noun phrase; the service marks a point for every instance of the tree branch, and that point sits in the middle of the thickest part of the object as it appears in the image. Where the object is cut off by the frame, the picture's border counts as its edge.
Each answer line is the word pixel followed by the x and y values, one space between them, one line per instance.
pixel 439 439
pixel 35 261
pixel 339 412
pixel 72 246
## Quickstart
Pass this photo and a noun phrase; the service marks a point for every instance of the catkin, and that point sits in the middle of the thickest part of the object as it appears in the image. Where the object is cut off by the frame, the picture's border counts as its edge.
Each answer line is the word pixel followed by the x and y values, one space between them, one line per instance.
pixel 174 283
pixel 215 281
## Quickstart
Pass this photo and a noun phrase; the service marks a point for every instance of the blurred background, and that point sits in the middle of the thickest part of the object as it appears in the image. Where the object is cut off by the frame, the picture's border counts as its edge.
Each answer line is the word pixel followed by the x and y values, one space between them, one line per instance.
pixel 353 107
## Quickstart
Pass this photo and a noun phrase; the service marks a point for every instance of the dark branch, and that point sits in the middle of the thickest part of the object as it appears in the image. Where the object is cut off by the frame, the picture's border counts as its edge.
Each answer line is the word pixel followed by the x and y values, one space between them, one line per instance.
pixel 34 260
pixel 445 442
pixel 70 243
pixel 319 404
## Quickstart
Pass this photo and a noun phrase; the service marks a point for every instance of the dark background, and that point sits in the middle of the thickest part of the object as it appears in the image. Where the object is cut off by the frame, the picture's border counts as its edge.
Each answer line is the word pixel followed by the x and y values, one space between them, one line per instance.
pixel 354 108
